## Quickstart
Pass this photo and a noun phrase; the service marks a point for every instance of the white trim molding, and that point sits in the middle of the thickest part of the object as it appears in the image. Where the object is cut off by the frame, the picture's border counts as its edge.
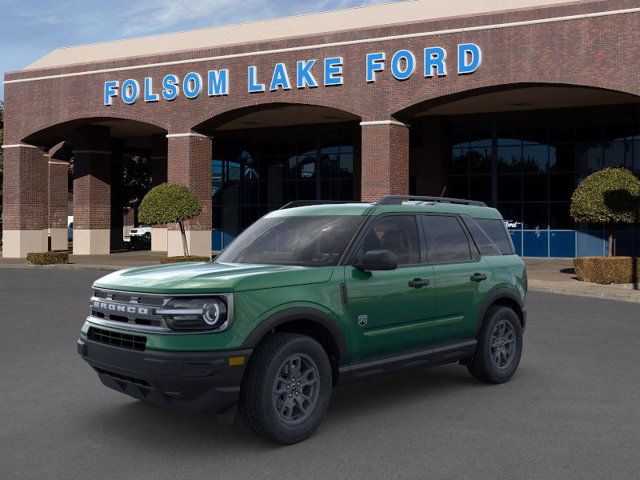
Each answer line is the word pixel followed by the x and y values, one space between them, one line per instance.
pixel 58 162
pixel 20 145
pixel 383 122
pixel 189 134
pixel 451 31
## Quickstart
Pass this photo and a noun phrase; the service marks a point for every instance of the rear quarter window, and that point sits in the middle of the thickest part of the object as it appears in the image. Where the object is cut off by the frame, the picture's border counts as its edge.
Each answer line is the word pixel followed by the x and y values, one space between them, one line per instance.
pixel 496 230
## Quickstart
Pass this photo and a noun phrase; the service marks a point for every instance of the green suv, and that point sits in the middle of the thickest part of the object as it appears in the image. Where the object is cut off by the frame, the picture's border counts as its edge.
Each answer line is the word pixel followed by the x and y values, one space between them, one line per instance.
pixel 309 297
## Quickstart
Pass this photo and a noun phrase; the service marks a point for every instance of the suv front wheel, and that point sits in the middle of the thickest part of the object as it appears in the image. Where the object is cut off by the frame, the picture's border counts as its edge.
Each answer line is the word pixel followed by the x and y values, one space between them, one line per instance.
pixel 285 393
pixel 499 346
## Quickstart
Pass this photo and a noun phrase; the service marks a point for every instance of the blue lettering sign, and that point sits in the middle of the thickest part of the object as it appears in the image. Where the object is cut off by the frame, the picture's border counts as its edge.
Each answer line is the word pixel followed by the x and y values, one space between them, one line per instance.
pixel 434 58
pixel 110 92
pixel 280 78
pixel 170 86
pixel 192 85
pixel 149 96
pixel 333 71
pixel 130 91
pixel 254 86
pixel 218 82
pixel 304 77
pixel 469 58
pixel 403 64
pixel 375 63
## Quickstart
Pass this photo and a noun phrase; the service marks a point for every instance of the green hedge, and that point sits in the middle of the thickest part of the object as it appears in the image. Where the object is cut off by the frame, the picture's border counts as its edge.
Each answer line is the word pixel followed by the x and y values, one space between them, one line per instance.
pixel 47 258
pixel 190 258
pixel 607 270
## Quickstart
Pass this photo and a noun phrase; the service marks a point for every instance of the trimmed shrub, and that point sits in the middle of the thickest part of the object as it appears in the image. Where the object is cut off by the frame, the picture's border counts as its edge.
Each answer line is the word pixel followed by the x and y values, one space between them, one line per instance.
pixel 189 258
pixel 607 270
pixel 47 258
pixel 170 203
pixel 611 195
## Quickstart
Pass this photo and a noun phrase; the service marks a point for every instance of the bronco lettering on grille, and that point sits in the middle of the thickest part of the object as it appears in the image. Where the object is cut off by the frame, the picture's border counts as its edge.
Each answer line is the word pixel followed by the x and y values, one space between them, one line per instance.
pixel 114 307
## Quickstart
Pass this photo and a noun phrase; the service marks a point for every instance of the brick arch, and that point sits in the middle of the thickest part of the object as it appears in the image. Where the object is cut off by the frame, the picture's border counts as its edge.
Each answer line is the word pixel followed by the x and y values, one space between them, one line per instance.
pixel 456 92
pixel 220 117
pixel 48 135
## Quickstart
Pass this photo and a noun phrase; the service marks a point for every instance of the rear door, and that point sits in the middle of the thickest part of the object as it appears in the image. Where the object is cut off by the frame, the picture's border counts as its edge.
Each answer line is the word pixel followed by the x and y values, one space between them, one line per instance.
pixel 462 277
pixel 391 311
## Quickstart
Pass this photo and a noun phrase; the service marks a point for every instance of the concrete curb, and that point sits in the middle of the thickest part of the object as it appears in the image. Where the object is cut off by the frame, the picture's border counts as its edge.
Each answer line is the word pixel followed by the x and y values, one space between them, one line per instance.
pixel 603 292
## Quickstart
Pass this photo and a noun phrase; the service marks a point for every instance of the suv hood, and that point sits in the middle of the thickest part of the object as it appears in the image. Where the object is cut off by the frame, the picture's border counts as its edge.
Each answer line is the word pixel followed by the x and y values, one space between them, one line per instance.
pixel 211 278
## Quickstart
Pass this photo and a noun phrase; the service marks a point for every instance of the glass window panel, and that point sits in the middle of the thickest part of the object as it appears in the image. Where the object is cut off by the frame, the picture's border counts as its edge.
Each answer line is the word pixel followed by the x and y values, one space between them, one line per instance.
pixel 480 134
pixel 457 186
pixel 589 129
pixel 535 216
pixel 534 132
pixel 559 216
pixel 480 188
pixel 459 161
pixel 561 130
pixel 459 135
pixel 636 156
pixel 589 158
pixel 509 187
pixel 618 154
pixel 398 234
pixel 535 158
pixel 534 187
pixel 346 164
pixel 562 157
pixel 480 159
pixel 561 186
pixel 447 242
pixel 509 132
pixel 512 214
pixel 509 159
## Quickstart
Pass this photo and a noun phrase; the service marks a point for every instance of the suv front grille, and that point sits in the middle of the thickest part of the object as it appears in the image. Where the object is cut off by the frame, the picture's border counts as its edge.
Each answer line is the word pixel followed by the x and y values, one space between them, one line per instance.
pixel 128 308
pixel 117 339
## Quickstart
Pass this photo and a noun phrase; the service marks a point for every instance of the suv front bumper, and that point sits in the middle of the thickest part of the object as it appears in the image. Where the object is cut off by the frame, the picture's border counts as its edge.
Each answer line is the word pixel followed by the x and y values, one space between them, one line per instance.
pixel 194 381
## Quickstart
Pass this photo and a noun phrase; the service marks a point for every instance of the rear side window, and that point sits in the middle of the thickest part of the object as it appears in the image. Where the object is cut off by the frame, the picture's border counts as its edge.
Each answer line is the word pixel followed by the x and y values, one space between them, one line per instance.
pixel 447 242
pixel 497 231
pixel 482 240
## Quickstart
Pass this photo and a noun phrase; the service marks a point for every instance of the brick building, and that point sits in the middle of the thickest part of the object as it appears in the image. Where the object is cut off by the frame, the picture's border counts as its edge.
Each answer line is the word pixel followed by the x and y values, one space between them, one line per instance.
pixel 511 103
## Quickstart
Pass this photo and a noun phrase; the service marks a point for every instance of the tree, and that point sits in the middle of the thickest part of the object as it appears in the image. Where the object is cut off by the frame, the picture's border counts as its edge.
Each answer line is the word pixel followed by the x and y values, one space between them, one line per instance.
pixel 170 203
pixel 609 196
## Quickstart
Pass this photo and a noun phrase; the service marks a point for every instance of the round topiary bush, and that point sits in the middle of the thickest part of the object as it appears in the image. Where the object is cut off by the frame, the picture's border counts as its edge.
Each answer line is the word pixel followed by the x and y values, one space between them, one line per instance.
pixel 170 203
pixel 611 195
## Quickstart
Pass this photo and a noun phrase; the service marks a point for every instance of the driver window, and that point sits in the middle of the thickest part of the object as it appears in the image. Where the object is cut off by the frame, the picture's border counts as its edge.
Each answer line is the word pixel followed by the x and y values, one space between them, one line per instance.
pixel 396 233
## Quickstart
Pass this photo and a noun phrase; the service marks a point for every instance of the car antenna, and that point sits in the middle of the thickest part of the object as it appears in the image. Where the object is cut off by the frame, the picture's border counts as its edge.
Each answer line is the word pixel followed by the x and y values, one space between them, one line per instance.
pixel 444 190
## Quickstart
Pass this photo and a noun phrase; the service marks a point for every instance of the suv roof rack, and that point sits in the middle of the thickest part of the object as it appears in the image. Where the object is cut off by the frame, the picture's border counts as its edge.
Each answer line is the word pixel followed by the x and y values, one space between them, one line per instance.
pixel 306 203
pixel 398 199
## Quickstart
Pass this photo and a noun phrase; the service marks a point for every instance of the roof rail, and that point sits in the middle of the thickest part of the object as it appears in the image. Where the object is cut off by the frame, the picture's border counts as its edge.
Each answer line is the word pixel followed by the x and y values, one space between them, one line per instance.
pixel 307 203
pixel 398 199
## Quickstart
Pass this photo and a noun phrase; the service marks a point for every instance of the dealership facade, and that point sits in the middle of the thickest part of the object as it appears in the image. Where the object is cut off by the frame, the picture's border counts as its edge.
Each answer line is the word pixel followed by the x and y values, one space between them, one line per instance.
pixel 512 107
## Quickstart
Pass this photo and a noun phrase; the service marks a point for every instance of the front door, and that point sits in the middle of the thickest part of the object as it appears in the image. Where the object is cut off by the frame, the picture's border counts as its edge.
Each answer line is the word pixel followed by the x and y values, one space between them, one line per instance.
pixel 391 311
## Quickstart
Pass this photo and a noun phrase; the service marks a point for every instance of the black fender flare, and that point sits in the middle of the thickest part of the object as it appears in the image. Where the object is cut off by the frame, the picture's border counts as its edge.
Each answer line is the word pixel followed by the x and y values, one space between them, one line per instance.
pixel 499 294
pixel 299 313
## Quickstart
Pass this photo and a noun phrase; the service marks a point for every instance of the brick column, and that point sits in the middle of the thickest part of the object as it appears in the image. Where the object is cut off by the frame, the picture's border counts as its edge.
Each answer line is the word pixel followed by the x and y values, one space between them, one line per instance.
pixel 58 191
pixel 158 175
pixel 189 163
pixel 25 202
pixel 385 159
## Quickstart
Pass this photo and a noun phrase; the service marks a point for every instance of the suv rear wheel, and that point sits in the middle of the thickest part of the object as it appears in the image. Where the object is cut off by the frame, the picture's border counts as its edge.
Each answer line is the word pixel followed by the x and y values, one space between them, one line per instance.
pixel 499 346
pixel 285 393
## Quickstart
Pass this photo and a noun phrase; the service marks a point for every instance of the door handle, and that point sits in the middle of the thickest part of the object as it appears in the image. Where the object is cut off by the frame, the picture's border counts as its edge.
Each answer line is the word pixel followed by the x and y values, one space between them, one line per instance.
pixel 478 277
pixel 418 282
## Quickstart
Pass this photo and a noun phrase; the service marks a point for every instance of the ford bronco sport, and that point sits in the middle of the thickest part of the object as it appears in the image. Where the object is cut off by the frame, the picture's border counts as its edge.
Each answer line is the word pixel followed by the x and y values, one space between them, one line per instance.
pixel 309 297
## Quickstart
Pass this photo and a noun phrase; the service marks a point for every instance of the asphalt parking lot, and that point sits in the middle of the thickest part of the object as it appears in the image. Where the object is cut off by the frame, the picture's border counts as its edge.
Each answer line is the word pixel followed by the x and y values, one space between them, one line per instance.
pixel 570 412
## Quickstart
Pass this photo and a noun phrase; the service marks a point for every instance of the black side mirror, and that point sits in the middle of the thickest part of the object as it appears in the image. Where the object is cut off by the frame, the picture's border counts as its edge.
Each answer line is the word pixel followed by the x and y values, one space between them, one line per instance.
pixel 377 260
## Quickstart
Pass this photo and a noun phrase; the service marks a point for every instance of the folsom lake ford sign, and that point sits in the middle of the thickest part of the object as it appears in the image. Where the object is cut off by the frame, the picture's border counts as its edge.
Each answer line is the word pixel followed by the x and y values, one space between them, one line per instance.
pixel 309 73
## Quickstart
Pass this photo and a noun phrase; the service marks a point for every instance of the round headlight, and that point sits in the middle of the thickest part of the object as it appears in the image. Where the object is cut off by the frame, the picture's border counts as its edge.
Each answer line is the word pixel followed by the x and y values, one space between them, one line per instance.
pixel 214 313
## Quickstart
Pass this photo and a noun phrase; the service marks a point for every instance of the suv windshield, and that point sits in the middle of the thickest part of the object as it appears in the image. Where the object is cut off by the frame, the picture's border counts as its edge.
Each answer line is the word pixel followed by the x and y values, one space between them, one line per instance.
pixel 313 241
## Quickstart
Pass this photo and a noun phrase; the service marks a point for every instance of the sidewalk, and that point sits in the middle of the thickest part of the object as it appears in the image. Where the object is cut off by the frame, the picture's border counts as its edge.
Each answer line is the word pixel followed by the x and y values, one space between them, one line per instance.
pixel 556 275
pixel 545 274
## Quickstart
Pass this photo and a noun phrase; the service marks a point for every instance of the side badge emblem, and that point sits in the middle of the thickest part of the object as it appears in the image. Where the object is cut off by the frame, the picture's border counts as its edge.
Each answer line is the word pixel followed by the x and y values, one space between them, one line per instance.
pixel 362 320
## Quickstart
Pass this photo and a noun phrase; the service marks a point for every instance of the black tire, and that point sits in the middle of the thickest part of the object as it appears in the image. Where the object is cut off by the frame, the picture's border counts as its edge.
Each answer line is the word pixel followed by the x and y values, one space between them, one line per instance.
pixel 269 386
pixel 495 361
